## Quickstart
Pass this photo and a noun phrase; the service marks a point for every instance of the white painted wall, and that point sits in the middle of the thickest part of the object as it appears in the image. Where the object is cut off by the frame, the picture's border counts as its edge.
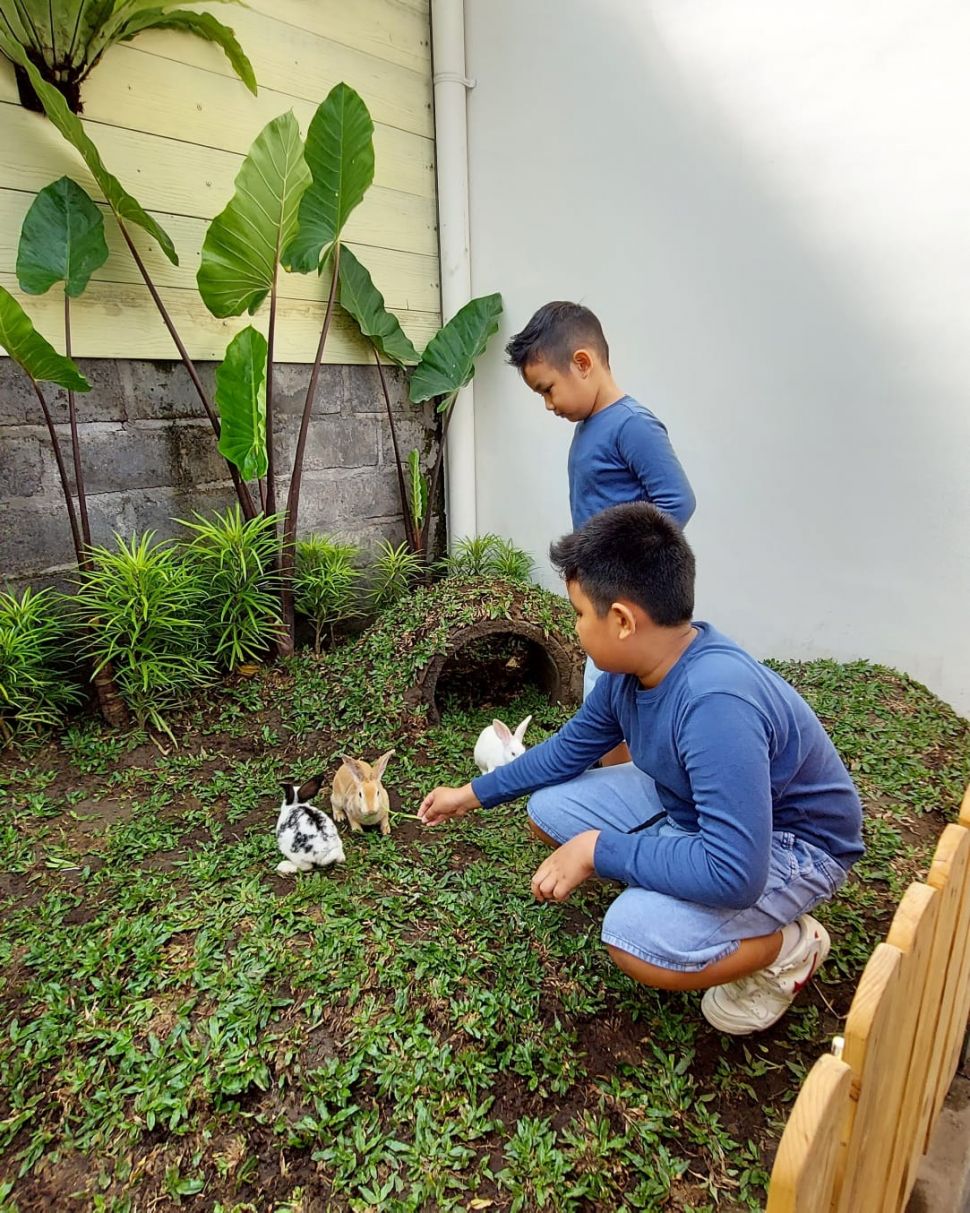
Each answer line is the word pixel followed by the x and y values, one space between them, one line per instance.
pixel 767 202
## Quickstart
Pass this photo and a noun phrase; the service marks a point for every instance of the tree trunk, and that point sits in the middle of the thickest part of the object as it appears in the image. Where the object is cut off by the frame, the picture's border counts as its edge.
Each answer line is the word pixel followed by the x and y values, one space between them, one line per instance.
pixel 114 710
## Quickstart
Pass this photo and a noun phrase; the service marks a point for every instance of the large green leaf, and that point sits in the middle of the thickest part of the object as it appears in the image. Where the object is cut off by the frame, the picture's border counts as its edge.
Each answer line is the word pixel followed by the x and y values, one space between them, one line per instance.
pixel 241 399
pixel 202 24
pixel 361 298
pixel 241 250
pixel 448 362
pixel 71 35
pixel 54 28
pixel 120 201
pixel 340 153
pixel 62 240
pixel 28 348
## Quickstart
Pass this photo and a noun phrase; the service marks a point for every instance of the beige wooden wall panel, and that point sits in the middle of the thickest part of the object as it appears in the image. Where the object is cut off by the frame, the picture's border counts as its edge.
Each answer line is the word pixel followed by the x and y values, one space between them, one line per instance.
pixel 173 123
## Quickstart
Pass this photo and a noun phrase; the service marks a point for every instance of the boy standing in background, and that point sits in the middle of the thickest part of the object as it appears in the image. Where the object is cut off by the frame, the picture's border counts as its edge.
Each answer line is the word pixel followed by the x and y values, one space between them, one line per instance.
pixel 620 451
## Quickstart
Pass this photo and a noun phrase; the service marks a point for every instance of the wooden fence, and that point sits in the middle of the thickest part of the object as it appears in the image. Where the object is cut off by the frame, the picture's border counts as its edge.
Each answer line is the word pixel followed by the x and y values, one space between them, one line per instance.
pixel 862 1121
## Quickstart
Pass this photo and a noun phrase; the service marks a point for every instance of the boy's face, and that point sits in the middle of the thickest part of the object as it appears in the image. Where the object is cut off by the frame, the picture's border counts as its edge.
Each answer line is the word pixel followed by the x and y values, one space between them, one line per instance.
pixel 602 636
pixel 569 393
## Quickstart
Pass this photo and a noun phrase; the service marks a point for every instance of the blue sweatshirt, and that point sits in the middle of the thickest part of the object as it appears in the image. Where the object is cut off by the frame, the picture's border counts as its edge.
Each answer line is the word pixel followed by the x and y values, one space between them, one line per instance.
pixel 735 753
pixel 621 454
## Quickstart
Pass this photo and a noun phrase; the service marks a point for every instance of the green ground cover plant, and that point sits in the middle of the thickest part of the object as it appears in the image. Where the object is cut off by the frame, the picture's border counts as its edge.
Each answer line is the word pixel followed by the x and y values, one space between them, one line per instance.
pixel 186 1029
pixel 167 617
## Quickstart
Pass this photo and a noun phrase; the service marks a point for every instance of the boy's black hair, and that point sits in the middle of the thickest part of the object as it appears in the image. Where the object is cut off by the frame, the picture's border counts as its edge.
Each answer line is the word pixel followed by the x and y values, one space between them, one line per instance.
pixel 555 333
pixel 634 552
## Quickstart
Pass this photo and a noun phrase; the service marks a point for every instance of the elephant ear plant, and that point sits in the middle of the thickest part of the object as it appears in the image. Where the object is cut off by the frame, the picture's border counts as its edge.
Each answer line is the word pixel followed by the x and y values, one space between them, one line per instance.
pixel 65 39
pixel 125 210
pixel 62 241
pixel 289 209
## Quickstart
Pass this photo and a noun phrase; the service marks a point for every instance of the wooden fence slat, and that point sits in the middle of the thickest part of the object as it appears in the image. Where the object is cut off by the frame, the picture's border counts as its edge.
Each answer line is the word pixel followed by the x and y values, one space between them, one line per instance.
pixel 903 1037
pixel 804 1171
pixel 870 1043
pixel 951 866
pixel 914 932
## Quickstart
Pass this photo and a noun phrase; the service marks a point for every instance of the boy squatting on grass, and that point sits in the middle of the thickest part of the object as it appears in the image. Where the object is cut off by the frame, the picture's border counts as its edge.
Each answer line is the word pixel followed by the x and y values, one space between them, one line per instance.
pixel 620 451
pixel 736 816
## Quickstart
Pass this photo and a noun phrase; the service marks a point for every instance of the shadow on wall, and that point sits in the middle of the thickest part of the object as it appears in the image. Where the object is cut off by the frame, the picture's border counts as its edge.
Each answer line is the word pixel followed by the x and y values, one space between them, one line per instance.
pixel 826 446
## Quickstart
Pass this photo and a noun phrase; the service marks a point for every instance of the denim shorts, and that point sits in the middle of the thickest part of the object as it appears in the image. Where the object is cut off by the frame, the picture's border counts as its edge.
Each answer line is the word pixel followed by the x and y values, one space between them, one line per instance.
pixel 659 928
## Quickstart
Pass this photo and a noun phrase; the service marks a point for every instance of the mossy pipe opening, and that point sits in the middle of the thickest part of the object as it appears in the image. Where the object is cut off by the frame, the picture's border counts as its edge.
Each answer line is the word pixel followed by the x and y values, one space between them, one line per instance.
pixel 550 663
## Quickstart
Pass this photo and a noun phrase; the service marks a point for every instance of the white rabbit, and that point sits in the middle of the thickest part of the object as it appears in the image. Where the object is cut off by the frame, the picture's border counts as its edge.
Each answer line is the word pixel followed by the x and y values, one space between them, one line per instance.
pixel 497 745
pixel 306 836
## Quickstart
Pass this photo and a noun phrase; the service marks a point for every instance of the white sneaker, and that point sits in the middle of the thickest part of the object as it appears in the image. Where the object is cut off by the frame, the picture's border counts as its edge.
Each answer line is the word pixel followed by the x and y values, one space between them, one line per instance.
pixel 754 1003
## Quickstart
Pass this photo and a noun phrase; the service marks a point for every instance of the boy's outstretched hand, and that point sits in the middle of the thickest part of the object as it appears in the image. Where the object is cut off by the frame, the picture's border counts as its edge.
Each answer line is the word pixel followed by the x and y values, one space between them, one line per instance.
pixel 444 803
pixel 566 868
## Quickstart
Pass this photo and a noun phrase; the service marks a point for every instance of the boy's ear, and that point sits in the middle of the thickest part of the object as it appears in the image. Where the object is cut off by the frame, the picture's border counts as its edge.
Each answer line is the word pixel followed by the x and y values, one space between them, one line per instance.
pixel 624 620
pixel 583 361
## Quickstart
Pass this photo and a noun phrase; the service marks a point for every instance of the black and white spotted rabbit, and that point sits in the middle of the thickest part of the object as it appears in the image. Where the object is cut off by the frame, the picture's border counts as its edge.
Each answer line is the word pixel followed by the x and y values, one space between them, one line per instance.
pixel 306 836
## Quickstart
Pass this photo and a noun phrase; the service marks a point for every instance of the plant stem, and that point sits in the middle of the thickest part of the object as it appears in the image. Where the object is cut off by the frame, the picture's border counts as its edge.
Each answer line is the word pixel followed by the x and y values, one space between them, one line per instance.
pixel 436 474
pixel 84 560
pixel 242 490
pixel 293 497
pixel 112 705
pixel 65 483
pixel 409 528
pixel 270 504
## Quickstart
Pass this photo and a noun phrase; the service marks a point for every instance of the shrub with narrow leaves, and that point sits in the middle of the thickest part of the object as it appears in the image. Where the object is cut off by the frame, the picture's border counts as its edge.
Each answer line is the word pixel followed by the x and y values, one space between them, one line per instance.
pixel 394 571
pixel 488 556
pixel 144 611
pixel 37 682
pixel 236 562
pixel 327 583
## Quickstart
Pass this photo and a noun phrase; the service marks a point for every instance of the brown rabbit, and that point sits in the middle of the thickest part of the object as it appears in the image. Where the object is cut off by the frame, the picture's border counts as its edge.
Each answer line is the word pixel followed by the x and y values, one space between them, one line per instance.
pixel 359 796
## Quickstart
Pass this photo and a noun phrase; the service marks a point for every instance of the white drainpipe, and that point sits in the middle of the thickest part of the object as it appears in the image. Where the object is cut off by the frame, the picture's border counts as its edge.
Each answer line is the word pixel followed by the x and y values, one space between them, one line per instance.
pixel 451 156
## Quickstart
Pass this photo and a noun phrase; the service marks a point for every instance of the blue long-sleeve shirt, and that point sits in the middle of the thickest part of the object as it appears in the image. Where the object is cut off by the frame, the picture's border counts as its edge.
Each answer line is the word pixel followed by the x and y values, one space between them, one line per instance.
pixel 621 454
pixel 735 753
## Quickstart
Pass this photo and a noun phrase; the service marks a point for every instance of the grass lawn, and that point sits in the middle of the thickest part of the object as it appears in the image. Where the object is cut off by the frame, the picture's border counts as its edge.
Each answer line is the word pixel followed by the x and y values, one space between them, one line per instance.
pixel 184 1028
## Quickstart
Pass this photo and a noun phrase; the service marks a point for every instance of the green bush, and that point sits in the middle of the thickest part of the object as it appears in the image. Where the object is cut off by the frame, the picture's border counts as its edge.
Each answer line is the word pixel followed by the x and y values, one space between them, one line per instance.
pixel 144 610
pixel 395 570
pixel 326 584
pixel 489 556
pixel 235 561
pixel 36 683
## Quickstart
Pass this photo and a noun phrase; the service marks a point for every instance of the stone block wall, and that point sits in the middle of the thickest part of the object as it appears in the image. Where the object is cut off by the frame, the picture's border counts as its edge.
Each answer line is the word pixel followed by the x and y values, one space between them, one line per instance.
pixel 149 456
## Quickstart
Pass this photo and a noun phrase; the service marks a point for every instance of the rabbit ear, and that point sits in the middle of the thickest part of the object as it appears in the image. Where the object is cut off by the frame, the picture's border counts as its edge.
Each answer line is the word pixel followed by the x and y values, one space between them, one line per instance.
pixel 520 730
pixel 310 789
pixel 504 735
pixel 380 765
pixel 354 767
pixel 289 792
